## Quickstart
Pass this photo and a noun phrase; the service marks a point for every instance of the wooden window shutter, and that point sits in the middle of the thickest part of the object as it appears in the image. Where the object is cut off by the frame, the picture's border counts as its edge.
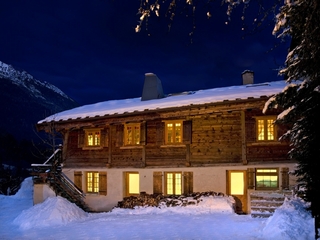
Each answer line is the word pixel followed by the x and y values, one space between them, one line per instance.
pixel 78 179
pixel 285 178
pixel 143 133
pixel 81 138
pixel 102 183
pixel 187 132
pixel 160 133
pixel 119 135
pixel 250 126
pixel 187 182
pixel 251 178
pixel 157 182
pixel 104 137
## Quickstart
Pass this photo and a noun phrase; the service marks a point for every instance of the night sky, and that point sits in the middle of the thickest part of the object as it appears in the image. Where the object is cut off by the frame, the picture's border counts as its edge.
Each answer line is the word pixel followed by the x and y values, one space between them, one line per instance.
pixel 89 49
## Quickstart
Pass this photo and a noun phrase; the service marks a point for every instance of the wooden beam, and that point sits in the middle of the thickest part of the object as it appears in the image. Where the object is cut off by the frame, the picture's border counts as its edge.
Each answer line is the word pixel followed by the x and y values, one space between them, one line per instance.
pixel 243 138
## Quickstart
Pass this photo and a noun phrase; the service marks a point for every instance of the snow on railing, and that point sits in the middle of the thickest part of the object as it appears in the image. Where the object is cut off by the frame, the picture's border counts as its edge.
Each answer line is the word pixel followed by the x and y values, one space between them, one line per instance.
pixel 46 162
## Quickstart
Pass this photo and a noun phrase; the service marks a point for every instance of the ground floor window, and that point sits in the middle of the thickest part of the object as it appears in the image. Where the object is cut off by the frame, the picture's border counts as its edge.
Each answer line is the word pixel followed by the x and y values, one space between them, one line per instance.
pixel 132 183
pixel 92 182
pixel 267 178
pixel 173 183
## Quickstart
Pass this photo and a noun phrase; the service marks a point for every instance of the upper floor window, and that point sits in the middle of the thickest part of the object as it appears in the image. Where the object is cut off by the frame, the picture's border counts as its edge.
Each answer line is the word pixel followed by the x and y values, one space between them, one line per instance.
pixel 132 134
pixel 93 137
pixel 266 130
pixel 173 132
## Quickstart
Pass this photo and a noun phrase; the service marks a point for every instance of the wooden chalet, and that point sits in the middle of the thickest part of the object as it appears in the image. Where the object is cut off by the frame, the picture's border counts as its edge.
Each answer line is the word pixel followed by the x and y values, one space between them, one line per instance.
pixel 210 140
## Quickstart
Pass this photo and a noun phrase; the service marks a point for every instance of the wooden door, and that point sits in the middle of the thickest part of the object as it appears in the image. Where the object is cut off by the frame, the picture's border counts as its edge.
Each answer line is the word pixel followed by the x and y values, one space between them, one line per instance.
pixel 237 187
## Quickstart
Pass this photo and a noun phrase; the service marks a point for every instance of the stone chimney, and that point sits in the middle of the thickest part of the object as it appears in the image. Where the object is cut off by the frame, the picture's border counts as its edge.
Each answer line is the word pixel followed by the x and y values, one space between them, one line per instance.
pixel 247 77
pixel 152 88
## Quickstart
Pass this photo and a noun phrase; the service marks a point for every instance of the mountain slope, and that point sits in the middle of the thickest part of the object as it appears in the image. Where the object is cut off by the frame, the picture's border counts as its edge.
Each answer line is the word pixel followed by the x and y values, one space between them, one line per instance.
pixel 25 100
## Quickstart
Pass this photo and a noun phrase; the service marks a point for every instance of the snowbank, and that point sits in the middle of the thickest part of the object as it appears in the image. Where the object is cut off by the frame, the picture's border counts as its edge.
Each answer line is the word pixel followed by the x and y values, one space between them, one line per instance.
pixel 209 204
pixel 26 189
pixel 291 221
pixel 53 211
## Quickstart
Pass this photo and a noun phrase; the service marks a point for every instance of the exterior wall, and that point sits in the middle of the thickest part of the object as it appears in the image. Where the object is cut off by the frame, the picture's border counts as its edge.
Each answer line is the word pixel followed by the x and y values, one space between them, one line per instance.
pixel 41 192
pixel 212 178
pixel 215 138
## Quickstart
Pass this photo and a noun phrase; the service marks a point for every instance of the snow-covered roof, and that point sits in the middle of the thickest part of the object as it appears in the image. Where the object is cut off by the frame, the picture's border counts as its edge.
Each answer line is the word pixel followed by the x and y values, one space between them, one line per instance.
pixel 214 95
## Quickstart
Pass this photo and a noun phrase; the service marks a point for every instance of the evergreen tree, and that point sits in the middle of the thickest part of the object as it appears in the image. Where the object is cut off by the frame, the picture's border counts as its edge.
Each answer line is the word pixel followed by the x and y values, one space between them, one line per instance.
pixel 301 99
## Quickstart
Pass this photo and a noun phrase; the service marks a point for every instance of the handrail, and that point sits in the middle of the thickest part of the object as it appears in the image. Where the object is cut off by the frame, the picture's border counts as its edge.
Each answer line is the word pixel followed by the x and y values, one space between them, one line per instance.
pixel 53 154
pixel 69 182
pixel 45 163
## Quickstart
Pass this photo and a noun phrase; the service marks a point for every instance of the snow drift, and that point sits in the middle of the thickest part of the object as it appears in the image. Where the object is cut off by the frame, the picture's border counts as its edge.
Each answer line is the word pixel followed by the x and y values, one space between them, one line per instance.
pixel 291 221
pixel 53 211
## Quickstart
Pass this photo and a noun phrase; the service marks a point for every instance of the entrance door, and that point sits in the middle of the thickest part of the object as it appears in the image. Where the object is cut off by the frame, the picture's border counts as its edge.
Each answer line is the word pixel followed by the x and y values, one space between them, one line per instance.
pixel 237 187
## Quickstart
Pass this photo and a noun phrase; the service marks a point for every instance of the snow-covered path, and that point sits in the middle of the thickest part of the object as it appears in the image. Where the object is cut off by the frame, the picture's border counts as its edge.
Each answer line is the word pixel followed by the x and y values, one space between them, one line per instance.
pixel 57 218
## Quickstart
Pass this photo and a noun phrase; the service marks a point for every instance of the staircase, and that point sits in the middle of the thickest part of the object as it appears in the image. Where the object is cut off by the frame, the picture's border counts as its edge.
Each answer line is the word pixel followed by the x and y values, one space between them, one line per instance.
pixel 50 172
pixel 264 203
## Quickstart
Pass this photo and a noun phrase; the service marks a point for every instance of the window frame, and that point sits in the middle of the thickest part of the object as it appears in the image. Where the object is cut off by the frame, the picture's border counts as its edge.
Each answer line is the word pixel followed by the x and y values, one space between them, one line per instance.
pixel 95 184
pixel 267 174
pixel 92 131
pixel 266 128
pixel 127 184
pixel 174 184
pixel 133 142
pixel 166 142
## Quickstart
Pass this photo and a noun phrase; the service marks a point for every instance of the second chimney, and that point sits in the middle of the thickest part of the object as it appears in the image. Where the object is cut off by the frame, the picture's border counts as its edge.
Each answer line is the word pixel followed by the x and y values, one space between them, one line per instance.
pixel 152 88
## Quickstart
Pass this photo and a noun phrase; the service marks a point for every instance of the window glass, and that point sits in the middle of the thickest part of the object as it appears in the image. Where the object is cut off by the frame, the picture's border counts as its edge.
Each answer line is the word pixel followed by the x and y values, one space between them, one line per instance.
pixel 173 132
pixel 133 183
pixel 266 129
pixel 267 178
pixel 93 137
pixel 174 183
pixel 132 134
pixel 93 182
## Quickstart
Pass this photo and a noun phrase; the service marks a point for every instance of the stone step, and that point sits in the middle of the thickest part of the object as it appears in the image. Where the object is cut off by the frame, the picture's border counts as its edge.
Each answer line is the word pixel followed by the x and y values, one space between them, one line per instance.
pixel 263 209
pixel 262 203
pixel 261 215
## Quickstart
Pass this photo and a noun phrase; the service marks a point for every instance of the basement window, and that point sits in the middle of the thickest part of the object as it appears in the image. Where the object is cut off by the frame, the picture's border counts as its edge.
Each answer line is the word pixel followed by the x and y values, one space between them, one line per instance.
pixel 267 178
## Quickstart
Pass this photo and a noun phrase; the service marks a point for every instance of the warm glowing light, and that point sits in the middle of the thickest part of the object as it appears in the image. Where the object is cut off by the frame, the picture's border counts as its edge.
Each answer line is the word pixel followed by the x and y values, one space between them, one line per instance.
pixel 237 183
pixel 134 182
pixel 93 182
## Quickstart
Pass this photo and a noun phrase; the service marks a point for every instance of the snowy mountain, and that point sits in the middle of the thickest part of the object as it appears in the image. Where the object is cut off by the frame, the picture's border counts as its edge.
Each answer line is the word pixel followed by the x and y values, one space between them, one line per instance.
pixel 25 100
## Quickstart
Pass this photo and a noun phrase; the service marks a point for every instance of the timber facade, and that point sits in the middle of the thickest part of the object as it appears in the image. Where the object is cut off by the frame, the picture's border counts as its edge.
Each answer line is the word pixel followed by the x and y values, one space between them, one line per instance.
pixel 228 146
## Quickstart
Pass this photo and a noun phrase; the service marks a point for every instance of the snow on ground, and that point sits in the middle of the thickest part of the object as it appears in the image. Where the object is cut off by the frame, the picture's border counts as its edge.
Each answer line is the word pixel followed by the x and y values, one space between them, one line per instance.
pixel 213 218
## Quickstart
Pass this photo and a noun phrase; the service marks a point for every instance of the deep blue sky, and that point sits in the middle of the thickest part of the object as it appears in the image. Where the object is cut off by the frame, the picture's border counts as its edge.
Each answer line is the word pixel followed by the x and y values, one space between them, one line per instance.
pixel 89 49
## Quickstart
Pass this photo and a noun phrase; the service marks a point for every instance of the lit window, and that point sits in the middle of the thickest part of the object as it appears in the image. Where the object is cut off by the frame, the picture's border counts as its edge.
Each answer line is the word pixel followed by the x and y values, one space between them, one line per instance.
pixel 92 182
pixel 132 183
pixel 173 132
pixel 266 129
pixel 267 178
pixel 132 134
pixel 173 184
pixel 93 137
